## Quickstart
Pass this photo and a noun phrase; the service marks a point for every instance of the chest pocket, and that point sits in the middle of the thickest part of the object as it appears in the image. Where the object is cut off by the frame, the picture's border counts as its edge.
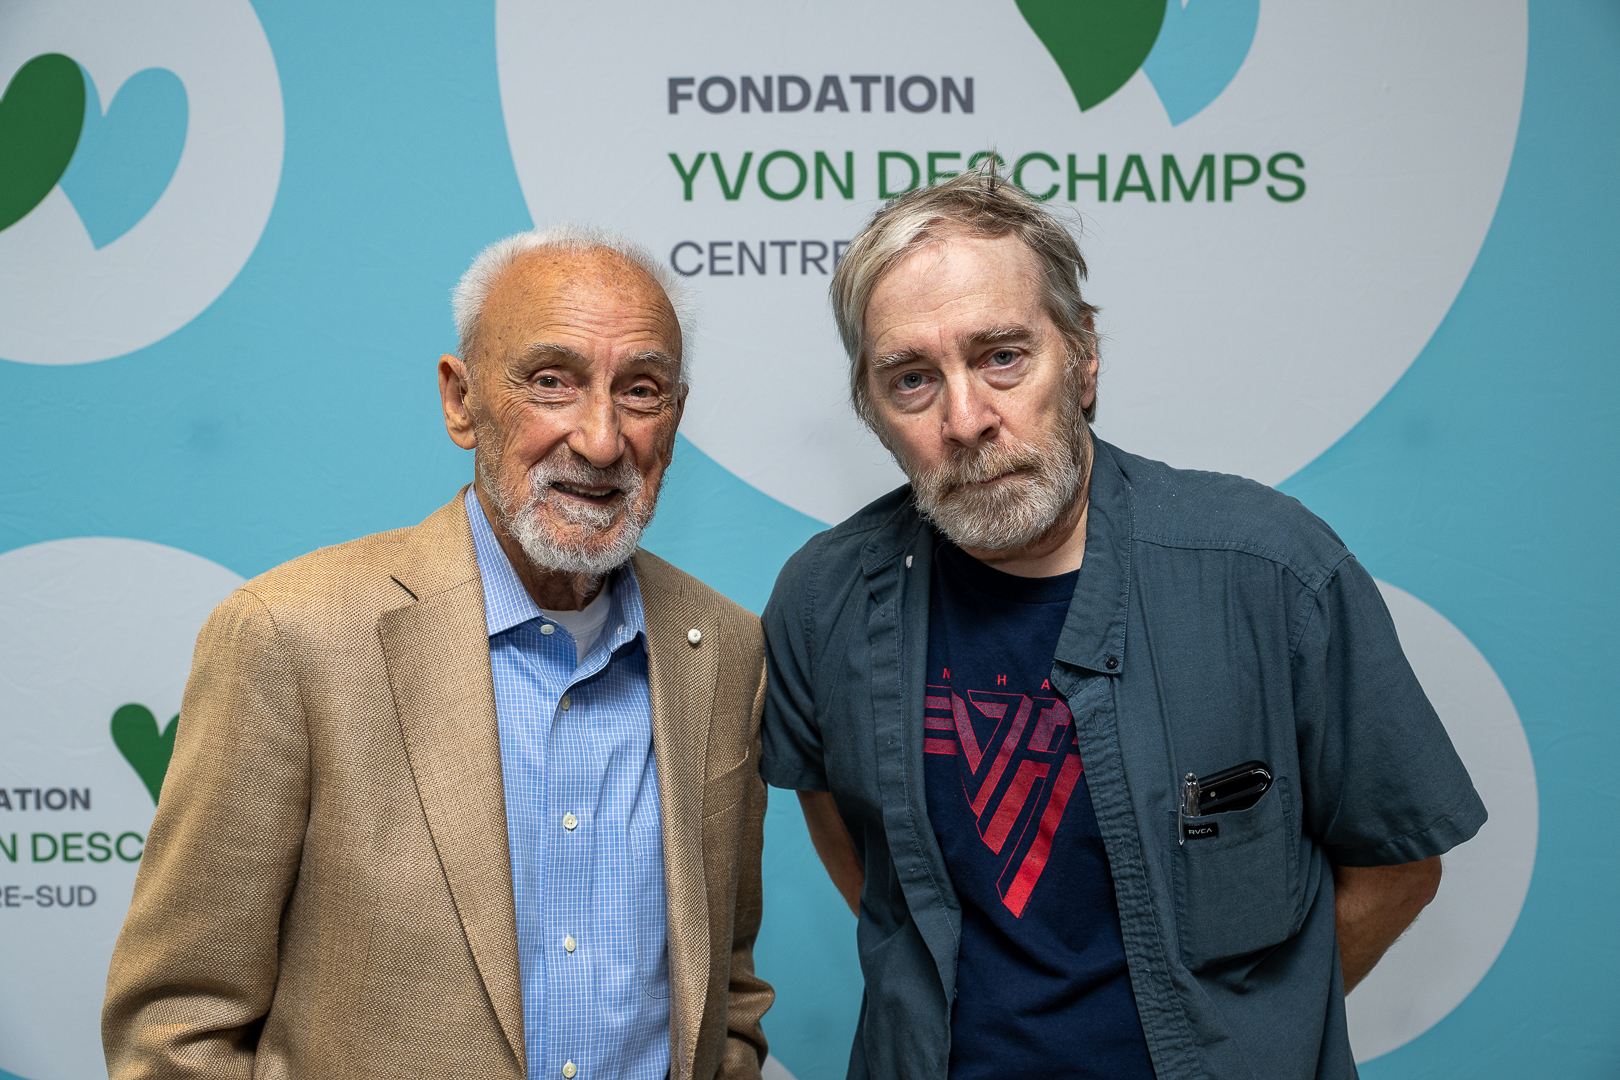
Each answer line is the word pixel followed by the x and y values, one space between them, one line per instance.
pixel 1237 890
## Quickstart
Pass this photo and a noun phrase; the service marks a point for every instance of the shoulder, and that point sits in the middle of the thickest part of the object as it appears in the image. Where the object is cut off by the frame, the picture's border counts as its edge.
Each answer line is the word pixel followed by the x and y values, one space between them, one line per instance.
pixel 335 586
pixel 1192 509
pixel 872 534
pixel 324 568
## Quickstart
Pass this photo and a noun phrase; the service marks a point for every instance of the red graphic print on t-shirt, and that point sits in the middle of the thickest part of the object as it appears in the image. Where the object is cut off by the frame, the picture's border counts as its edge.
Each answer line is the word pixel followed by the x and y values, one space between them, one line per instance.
pixel 1017 787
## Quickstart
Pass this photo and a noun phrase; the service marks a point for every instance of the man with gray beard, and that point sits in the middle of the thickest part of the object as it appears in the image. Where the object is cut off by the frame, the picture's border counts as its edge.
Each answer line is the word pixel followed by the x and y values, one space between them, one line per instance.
pixel 478 798
pixel 1120 766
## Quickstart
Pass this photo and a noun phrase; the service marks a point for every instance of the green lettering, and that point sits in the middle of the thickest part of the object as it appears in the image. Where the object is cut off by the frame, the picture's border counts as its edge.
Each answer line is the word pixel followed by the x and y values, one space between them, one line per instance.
pixel 732 192
pixel 1278 174
pixel 1134 163
pixel 973 162
pixel 1018 174
pixel 1232 181
pixel 11 851
pixel 72 842
pixel 1206 173
pixel 1100 176
pixel 884 157
pixel 37 837
pixel 99 851
pixel 119 846
pixel 688 177
pixel 935 175
pixel 846 186
pixel 764 169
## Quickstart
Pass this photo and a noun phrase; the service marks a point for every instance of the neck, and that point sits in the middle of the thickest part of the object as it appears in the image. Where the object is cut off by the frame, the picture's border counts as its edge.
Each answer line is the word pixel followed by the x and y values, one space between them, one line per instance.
pixel 553 590
pixel 1059 550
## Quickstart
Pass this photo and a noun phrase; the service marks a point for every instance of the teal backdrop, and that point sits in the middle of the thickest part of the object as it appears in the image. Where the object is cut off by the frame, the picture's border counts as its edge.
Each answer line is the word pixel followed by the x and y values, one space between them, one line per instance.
pixel 299 409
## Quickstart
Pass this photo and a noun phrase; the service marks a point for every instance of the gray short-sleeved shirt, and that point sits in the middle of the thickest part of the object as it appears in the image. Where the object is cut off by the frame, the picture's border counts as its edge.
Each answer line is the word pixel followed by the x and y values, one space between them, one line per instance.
pixel 1214 621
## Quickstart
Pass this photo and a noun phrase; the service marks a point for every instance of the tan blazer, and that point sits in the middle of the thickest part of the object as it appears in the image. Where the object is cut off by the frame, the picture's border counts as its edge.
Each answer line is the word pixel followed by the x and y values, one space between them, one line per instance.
pixel 326 890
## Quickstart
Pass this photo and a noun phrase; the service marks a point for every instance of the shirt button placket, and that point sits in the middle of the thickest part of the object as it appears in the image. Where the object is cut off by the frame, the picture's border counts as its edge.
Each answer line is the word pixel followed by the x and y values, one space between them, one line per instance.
pixel 570 856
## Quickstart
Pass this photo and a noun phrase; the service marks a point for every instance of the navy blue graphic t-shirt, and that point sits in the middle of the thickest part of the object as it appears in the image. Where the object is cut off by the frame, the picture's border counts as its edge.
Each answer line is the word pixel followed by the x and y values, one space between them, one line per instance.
pixel 1041 984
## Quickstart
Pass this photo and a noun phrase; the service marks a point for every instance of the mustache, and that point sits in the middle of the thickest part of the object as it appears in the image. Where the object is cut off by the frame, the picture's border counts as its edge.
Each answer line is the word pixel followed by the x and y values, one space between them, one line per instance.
pixel 571 470
pixel 967 468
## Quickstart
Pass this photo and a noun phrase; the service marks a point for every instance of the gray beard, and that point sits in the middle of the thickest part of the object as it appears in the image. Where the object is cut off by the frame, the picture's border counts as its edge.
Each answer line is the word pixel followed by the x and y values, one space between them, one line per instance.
pixel 601 551
pixel 1018 510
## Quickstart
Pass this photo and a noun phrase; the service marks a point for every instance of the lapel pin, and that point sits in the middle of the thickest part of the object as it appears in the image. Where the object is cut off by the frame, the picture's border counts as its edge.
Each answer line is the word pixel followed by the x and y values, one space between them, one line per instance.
pixel 694 635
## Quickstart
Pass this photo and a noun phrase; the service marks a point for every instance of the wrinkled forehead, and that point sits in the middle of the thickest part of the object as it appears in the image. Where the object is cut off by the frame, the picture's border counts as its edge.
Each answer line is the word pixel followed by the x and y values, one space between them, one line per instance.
pixel 594 297
pixel 944 276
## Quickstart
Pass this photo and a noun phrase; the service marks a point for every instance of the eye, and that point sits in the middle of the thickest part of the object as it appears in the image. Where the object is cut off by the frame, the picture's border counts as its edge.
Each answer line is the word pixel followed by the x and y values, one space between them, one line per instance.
pixel 548 382
pixel 1003 357
pixel 911 380
pixel 643 393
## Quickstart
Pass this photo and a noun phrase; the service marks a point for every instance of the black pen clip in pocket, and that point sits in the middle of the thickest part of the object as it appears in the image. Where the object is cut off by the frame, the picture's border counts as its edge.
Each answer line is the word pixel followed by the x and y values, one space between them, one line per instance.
pixel 1229 790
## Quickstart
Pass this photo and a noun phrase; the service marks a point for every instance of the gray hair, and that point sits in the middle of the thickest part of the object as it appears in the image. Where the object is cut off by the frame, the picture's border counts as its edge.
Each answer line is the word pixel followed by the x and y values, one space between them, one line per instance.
pixel 976 203
pixel 468 297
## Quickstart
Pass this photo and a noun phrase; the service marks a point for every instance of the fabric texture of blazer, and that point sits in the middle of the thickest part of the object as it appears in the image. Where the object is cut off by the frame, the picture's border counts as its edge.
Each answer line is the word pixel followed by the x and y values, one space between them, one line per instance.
pixel 326 889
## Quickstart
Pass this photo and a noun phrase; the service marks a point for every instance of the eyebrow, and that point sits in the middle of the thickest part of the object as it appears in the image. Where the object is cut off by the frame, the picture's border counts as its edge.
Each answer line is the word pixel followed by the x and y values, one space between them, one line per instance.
pixel 546 350
pixel 995 335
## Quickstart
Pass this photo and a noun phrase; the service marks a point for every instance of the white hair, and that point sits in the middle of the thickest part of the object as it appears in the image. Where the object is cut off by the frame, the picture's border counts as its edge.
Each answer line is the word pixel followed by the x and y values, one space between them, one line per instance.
pixel 467 298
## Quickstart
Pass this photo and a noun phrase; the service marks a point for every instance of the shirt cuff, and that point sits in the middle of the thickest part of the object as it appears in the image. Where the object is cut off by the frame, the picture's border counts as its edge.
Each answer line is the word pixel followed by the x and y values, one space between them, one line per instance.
pixel 1459 824
pixel 794 776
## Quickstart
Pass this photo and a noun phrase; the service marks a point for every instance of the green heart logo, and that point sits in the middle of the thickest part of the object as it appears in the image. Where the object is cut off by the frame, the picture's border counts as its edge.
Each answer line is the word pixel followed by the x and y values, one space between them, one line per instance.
pixel 135 733
pixel 41 114
pixel 1098 44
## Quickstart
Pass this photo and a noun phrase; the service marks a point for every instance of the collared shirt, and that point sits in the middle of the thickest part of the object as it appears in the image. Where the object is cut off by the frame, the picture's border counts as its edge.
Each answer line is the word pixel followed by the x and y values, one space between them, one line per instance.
pixel 1214 622
pixel 583 825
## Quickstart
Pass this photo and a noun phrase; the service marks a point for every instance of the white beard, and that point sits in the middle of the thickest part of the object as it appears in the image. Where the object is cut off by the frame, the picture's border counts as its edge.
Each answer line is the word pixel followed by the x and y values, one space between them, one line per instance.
pixel 615 530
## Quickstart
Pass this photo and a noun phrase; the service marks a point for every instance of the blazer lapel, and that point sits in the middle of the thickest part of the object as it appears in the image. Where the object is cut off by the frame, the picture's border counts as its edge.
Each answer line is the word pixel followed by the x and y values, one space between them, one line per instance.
pixel 437 652
pixel 682 677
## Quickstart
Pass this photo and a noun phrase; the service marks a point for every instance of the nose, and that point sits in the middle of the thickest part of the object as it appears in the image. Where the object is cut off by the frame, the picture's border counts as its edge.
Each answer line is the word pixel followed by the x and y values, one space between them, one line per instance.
pixel 970 418
pixel 598 437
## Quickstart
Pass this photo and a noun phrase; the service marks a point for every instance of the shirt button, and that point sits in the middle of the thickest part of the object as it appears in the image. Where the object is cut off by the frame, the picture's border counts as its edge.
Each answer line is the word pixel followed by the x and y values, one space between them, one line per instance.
pixel 694 635
pixel 569 1070
pixel 565 704
pixel 569 943
pixel 1111 663
pixel 547 628
pixel 569 821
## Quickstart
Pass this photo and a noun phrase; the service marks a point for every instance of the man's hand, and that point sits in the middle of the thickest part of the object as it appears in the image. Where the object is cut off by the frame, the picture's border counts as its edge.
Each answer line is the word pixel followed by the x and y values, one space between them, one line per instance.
pixel 833 844
pixel 1372 906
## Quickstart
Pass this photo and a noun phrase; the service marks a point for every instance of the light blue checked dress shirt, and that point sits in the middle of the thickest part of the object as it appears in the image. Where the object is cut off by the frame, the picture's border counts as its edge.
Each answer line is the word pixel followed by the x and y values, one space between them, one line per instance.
pixel 584 828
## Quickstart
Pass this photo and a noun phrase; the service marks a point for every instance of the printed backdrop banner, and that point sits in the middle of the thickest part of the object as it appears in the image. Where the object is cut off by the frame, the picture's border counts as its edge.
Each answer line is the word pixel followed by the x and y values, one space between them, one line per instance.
pixel 1363 252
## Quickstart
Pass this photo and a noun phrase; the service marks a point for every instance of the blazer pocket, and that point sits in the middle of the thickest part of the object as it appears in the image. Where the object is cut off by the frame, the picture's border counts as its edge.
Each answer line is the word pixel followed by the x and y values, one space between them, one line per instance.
pixel 1235 889
pixel 725 791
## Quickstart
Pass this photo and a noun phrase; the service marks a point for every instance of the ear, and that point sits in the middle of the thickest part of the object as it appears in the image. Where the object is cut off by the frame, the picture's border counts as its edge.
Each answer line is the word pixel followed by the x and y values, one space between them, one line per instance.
pixel 1089 373
pixel 454 387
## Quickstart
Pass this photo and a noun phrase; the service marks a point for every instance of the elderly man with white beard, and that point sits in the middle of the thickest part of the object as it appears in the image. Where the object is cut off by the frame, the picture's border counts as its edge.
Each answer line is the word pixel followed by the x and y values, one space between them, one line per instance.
pixel 1120 766
pixel 477 798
